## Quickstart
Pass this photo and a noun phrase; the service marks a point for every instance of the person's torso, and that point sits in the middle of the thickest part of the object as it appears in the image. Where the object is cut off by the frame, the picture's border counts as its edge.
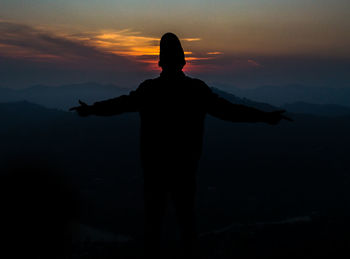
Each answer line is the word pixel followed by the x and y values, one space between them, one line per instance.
pixel 172 112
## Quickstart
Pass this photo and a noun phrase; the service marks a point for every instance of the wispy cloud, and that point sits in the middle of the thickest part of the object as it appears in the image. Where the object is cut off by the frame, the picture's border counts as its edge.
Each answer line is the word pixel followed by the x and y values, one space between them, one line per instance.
pixel 124 48
pixel 130 43
pixel 191 39
pixel 26 42
pixel 123 42
pixel 29 55
pixel 215 53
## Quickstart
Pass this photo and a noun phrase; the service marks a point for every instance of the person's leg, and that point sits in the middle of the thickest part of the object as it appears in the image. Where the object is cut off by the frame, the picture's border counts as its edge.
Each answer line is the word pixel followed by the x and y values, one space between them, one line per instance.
pixel 183 194
pixel 155 197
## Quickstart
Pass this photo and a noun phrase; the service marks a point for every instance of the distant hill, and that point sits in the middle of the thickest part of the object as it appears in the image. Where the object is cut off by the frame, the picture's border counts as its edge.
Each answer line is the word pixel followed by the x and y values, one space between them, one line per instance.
pixel 66 96
pixel 279 95
pixel 234 99
pixel 298 99
pixel 62 97
pixel 317 109
pixel 26 112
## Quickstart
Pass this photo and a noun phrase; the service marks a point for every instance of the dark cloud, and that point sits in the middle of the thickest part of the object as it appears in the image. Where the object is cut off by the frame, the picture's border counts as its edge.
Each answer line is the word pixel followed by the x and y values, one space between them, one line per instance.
pixel 34 41
pixel 29 55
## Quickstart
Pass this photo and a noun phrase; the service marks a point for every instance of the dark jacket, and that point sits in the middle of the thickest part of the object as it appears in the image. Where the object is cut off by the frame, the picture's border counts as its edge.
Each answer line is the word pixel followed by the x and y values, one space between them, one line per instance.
pixel 172 109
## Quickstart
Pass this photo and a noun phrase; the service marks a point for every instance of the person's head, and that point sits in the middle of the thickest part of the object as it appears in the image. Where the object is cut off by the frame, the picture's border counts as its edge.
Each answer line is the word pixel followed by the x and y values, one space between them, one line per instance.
pixel 171 56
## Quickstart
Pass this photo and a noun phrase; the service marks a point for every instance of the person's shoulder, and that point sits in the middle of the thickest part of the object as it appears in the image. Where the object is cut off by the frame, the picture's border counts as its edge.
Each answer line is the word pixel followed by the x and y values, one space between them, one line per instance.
pixel 199 84
pixel 147 82
pixel 196 81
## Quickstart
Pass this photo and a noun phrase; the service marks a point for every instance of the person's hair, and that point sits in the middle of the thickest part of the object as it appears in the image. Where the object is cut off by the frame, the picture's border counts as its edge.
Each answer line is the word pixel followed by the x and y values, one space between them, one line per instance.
pixel 171 53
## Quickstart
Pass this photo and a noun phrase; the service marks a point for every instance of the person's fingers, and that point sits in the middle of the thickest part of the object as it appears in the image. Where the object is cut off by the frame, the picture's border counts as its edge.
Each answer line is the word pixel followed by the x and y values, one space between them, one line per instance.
pixel 82 103
pixel 286 118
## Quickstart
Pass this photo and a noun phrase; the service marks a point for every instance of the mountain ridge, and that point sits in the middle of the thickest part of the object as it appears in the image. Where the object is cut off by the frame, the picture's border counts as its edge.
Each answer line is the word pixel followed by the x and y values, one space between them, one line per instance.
pixel 65 96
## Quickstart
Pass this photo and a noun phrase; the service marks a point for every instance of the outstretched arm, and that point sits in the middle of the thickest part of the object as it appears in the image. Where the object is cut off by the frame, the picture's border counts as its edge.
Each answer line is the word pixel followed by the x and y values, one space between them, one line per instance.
pixel 114 106
pixel 225 110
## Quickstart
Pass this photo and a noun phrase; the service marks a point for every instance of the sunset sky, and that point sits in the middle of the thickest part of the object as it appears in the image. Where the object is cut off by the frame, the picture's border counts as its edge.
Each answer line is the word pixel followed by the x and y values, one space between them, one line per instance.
pixel 240 43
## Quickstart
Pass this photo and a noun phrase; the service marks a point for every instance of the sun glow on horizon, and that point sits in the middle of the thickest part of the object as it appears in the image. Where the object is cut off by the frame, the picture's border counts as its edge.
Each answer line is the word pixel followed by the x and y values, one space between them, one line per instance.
pixel 134 45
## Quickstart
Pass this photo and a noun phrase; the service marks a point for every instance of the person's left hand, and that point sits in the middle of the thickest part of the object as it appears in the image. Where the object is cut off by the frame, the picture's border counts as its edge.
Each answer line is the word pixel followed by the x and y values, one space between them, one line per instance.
pixel 83 110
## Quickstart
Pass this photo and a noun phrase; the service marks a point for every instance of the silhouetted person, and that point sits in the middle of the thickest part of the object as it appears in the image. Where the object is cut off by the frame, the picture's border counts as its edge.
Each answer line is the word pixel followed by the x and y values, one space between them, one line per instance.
pixel 172 110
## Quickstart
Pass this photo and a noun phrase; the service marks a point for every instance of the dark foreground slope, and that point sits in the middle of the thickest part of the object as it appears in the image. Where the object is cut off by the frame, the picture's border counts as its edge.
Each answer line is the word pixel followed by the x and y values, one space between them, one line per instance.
pixel 263 190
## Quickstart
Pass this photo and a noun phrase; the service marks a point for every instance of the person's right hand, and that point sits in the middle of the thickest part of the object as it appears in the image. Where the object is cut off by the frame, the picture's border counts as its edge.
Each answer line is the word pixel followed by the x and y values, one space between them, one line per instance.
pixel 275 117
pixel 83 110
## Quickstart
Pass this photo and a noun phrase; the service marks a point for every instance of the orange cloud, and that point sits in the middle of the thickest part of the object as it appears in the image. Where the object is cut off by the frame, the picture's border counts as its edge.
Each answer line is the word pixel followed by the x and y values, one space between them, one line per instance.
pixel 22 41
pixel 133 45
pixel 215 53
pixel 191 39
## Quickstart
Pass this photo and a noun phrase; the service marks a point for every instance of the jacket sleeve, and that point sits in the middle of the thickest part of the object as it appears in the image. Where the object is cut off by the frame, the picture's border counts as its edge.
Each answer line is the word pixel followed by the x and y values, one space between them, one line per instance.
pixel 119 105
pixel 225 110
